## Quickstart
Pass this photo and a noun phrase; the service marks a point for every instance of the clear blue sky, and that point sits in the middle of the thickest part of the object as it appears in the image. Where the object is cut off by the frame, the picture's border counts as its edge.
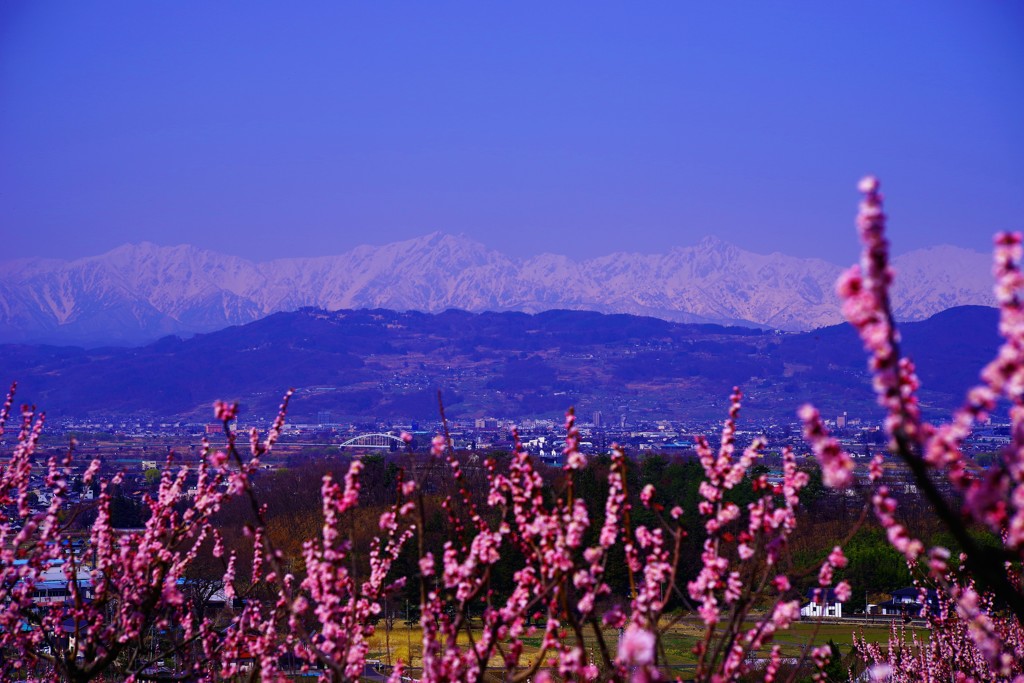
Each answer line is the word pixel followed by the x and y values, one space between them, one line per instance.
pixel 305 128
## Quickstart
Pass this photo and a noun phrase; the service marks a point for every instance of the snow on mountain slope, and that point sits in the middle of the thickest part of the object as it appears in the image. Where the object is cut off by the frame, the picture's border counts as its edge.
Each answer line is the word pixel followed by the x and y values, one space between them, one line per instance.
pixel 138 292
pixel 934 279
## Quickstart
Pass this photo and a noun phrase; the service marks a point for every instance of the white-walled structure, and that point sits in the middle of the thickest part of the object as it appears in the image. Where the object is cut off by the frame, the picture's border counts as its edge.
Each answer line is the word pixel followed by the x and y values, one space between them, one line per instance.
pixel 821 602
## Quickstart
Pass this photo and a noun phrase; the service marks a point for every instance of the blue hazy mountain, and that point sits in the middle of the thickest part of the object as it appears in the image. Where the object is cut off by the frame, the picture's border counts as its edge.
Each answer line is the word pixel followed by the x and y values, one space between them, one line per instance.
pixel 380 363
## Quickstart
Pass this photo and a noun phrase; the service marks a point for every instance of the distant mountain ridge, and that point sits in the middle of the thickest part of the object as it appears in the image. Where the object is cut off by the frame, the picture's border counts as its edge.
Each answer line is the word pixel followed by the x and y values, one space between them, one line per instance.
pixel 140 292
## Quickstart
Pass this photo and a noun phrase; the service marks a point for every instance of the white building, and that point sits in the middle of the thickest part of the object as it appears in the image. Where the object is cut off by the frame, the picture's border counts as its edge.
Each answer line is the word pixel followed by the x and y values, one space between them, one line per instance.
pixel 821 602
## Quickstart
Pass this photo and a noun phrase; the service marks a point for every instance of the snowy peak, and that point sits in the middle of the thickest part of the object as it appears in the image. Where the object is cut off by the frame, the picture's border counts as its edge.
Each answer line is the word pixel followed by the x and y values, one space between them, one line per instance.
pixel 138 292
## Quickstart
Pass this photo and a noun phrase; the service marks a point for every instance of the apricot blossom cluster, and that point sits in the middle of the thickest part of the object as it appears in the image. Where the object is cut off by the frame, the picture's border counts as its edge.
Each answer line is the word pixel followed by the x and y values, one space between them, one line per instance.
pixel 989 646
pixel 740 570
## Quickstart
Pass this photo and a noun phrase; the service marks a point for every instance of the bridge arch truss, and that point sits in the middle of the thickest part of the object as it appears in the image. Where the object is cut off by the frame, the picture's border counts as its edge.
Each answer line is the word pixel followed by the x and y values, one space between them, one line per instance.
pixel 375 441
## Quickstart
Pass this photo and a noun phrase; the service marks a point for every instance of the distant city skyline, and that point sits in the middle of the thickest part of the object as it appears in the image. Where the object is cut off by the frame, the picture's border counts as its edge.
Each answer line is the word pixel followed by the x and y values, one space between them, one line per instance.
pixel 279 131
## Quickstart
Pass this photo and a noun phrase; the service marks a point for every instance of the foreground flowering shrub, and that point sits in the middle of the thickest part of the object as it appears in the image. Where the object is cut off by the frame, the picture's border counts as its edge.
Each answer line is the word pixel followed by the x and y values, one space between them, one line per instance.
pixel 133 611
pixel 976 635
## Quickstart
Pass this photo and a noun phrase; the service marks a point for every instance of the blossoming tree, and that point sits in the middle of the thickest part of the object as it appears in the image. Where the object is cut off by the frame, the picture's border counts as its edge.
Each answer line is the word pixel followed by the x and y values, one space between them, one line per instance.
pixel 129 606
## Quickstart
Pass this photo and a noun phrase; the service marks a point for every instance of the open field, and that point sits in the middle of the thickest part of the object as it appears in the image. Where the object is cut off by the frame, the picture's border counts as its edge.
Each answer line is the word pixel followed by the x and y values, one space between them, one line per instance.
pixel 678 641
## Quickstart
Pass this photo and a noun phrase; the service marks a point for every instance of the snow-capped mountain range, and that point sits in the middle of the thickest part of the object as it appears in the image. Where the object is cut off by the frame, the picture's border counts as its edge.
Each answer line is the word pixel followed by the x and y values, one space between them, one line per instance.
pixel 139 292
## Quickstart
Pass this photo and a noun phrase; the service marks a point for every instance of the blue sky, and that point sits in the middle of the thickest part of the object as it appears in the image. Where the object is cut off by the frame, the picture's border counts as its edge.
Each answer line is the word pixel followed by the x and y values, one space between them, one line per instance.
pixel 297 129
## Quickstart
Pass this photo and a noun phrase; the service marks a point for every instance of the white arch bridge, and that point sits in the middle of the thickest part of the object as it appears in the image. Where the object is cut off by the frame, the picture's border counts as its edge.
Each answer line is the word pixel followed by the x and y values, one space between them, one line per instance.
pixel 374 441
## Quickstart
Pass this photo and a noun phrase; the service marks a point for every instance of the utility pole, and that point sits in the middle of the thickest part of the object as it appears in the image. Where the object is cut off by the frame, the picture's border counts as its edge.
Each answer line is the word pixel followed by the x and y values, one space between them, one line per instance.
pixel 408 632
pixel 389 616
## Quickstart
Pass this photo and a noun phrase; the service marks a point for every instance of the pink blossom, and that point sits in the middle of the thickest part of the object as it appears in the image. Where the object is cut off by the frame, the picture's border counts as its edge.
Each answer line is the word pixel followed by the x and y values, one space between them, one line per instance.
pixel 636 647
pixel 575 460
pixel 647 495
pixel 836 558
pixel 879 673
pixel 427 564
pixel 836 464
pixel 225 412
